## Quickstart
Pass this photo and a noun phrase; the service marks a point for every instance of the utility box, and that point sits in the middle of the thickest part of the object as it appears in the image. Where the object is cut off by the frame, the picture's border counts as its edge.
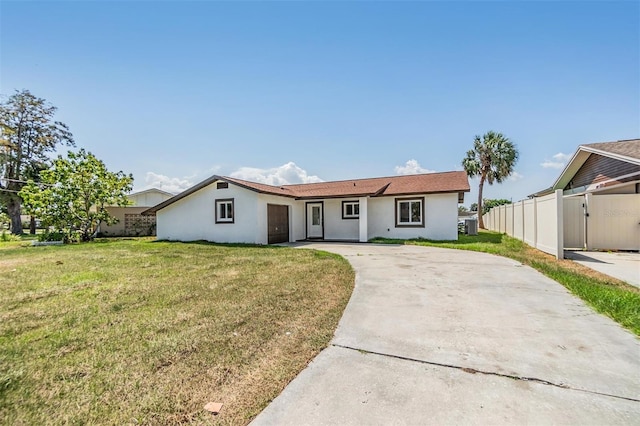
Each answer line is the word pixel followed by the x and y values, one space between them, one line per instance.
pixel 471 226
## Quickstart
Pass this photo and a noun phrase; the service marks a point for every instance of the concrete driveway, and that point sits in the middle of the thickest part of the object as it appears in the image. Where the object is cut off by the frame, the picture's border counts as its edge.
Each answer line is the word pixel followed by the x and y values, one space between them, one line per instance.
pixel 437 336
pixel 624 266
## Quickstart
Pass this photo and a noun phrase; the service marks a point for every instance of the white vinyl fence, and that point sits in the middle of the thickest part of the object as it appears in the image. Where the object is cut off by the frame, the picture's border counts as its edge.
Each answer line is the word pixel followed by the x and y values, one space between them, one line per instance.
pixel 537 221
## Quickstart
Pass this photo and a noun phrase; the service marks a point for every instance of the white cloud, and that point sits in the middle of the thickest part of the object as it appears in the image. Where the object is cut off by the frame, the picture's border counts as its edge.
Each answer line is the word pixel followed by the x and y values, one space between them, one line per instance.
pixel 558 161
pixel 515 176
pixel 412 167
pixel 166 183
pixel 286 174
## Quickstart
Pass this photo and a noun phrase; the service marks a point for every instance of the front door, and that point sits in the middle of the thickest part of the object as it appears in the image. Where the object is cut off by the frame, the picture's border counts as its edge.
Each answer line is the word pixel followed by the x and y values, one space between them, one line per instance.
pixel 315 228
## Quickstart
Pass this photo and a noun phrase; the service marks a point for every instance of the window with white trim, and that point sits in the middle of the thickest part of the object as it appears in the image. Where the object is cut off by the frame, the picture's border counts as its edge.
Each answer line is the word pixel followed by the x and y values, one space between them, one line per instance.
pixel 410 212
pixel 224 211
pixel 350 209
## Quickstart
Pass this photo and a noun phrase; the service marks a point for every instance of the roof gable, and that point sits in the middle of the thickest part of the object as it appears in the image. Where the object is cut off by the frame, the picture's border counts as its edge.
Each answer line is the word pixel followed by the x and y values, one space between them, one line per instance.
pixel 626 151
pixel 152 191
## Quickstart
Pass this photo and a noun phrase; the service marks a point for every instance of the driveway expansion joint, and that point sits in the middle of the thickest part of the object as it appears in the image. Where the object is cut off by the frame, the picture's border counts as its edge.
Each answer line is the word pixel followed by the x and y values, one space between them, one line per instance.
pixel 487 373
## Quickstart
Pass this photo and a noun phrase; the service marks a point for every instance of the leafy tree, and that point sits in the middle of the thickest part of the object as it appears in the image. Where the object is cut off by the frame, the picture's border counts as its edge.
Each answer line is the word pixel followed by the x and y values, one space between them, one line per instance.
pixel 462 209
pixel 488 204
pixel 28 134
pixel 492 159
pixel 73 193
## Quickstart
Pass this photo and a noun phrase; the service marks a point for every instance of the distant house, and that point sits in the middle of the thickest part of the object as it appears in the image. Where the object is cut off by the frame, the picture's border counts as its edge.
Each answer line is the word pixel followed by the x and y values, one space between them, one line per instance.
pixel 225 209
pixel 601 187
pixel 130 221
pixel 462 216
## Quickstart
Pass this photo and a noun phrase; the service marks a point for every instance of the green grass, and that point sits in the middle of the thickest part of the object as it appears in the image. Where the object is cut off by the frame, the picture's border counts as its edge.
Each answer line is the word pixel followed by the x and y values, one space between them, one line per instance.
pixel 609 296
pixel 136 331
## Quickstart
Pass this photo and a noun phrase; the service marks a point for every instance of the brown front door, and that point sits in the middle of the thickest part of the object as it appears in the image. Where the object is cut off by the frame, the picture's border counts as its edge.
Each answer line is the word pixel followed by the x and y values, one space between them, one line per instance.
pixel 277 223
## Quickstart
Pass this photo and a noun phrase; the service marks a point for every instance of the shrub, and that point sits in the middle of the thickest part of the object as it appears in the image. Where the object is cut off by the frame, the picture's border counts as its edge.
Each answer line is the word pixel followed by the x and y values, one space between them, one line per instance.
pixel 51 236
pixel 7 236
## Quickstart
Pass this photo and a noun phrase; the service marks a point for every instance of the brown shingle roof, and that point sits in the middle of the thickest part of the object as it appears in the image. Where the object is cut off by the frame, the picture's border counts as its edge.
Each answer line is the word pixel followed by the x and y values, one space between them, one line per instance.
pixel 260 187
pixel 374 187
pixel 628 148
pixel 392 185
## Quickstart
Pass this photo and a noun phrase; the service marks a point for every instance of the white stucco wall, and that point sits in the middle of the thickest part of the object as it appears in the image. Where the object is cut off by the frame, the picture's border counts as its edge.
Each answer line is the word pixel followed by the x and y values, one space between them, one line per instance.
pixel 441 218
pixel 193 217
pixel 335 227
pixel 148 198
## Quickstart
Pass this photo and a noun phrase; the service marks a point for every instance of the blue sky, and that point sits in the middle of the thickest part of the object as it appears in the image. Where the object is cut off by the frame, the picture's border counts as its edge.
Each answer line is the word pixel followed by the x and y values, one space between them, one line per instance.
pixel 174 92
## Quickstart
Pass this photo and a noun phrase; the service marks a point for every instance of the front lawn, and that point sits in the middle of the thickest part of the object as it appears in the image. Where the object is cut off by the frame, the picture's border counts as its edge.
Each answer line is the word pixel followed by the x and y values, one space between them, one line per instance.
pixel 605 294
pixel 136 331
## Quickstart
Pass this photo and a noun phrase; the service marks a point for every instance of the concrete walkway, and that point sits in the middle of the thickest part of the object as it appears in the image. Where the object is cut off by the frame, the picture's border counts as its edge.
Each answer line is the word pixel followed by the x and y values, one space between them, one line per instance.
pixel 437 336
pixel 624 266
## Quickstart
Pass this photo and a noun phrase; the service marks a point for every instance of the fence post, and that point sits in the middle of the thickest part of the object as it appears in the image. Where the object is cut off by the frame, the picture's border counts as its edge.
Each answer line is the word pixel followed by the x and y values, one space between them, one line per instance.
pixel 535 222
pixel 559 224
pixel 523 217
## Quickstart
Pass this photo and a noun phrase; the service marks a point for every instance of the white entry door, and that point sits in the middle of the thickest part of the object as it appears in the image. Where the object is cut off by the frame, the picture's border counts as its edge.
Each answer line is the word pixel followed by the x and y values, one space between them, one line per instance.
pixel 314 220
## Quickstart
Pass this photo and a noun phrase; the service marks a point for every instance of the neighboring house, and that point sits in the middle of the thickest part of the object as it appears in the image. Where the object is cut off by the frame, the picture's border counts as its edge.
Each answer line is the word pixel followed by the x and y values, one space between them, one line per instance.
pixel 601 187
pixel 225 209
pixel 130 220
pixel 462 216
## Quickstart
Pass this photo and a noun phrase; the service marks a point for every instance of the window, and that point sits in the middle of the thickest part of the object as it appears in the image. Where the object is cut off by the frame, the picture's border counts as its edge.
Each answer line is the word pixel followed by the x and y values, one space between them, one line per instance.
pixel 315 215
pixel 409 212
pixel 350 209
pixel 222 185
pixel 224 211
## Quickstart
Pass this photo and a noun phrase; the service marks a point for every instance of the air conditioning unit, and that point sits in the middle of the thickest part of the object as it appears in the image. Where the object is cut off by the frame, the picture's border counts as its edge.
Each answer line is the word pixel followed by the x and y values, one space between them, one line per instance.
pixel 471 226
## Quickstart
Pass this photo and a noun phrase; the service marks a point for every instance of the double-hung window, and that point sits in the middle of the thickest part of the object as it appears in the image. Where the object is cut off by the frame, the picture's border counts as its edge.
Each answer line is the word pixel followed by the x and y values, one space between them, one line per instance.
pixel 409 212
pixel 224 211
pixel 350 209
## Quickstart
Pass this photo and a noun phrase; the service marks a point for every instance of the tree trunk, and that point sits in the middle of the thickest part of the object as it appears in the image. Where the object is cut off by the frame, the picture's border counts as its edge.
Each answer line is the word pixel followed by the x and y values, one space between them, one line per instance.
pixel 13 209
pixel 480 187
pixel 32 225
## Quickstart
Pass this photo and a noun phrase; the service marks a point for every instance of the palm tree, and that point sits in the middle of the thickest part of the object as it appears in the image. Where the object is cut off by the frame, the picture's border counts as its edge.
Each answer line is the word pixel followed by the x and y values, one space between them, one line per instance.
pixel 492 158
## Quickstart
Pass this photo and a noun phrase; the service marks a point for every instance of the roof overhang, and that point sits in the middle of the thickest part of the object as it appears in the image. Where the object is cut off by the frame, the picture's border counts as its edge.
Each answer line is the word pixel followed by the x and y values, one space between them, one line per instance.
pixel 577 160
pixel 615 155
pixel 180 196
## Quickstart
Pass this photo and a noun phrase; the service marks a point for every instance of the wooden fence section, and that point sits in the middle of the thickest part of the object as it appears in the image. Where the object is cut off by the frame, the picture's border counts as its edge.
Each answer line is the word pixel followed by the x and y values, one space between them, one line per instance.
pixel 537 221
